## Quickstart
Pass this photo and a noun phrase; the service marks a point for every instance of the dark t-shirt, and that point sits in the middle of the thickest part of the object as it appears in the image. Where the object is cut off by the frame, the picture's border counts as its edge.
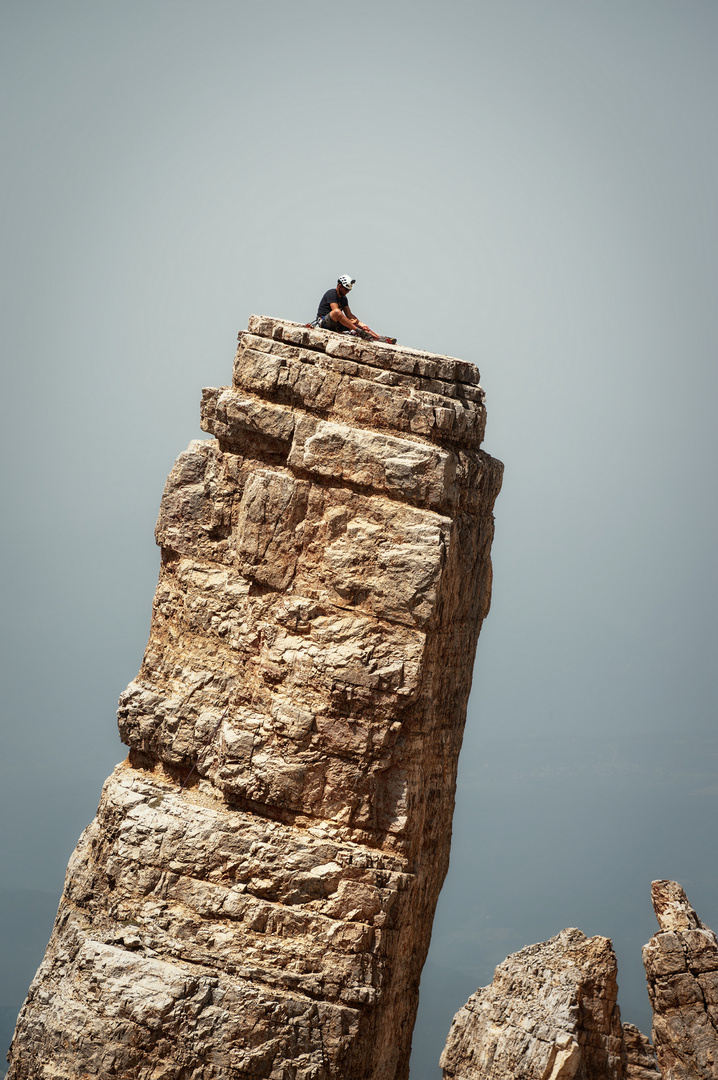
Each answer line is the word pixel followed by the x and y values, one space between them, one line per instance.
pixel 331 296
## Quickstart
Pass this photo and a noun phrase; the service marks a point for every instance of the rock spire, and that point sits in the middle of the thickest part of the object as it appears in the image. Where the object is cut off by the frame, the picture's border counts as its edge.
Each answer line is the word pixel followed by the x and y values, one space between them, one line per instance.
pixel 255 896
pixel 681 963
pixel 551 1011
pixel 550 1014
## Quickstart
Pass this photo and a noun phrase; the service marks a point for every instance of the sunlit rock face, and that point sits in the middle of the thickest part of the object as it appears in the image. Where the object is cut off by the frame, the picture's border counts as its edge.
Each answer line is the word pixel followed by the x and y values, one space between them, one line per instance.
pixel 550 1014
pixel 681 963
pixel 255 896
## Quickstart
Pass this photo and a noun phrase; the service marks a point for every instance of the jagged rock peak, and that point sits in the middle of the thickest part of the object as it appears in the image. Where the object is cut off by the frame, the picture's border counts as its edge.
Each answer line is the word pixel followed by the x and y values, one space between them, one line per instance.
pixel 255 896
pixel 549 1014
pixel 681 963
pixel 672 907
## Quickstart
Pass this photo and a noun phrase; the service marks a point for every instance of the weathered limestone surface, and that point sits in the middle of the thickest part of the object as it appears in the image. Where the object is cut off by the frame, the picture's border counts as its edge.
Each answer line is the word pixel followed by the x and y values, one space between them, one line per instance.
pixel 681 963
pixel 254 898
pixel 550 1014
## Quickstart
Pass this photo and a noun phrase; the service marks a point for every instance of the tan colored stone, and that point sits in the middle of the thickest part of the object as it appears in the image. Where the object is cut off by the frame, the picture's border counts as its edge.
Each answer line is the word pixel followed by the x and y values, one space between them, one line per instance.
pixel 254 898
pixel 641 1063
pixel 349 549
pixel 681 963
pixel 549 1014
pixel 672 908
pixel 414 472
pixel 396 358
pixel 347 388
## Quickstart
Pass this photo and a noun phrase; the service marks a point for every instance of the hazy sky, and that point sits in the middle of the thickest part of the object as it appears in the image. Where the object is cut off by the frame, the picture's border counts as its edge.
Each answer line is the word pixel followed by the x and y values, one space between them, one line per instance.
pixel 529 185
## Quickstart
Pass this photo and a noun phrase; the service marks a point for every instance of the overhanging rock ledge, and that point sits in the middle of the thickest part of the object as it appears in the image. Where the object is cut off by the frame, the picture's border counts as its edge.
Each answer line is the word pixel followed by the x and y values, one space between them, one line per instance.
pixel 255 896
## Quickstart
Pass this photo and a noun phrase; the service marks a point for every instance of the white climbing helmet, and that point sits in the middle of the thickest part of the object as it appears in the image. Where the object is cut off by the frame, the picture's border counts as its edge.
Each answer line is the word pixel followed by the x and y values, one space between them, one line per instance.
pixel 346 281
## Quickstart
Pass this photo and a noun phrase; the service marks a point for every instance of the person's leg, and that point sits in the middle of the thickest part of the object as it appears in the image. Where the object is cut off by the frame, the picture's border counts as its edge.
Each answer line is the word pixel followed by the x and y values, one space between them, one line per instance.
pixel 331 322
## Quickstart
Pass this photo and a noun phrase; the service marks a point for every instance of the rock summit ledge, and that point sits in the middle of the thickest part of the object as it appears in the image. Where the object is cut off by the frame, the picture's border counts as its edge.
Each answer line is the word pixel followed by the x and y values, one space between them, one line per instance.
pixel 357 382
pixel 255 896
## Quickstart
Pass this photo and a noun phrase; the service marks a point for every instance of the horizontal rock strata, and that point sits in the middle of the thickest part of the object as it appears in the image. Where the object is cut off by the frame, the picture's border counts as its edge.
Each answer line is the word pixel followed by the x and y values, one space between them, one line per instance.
pixel 254 898
pixel 549 1014
pixel 681 963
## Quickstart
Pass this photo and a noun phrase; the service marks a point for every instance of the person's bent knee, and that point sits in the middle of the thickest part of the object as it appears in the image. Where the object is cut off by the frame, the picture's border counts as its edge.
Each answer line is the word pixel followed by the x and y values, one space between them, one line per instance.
pixel 335 315
pixel 328 323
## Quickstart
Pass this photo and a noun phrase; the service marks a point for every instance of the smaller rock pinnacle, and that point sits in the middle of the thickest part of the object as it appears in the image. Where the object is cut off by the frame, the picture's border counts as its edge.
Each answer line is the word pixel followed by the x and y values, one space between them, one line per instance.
pixel 672 907
pixel 681 963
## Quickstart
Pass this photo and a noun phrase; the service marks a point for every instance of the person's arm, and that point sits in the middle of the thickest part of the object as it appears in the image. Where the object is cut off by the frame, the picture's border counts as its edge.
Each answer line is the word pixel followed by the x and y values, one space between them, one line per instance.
pixel 351 322
pixel 348 318
pixel 356 322
pixel 360 325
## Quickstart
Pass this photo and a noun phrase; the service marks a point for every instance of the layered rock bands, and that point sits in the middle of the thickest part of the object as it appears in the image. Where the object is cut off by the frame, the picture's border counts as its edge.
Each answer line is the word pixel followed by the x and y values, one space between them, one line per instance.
pixel 254 898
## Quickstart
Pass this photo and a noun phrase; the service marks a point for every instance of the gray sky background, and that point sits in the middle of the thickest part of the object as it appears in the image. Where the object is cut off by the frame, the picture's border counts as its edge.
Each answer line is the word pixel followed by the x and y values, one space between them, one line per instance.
pixel 530 185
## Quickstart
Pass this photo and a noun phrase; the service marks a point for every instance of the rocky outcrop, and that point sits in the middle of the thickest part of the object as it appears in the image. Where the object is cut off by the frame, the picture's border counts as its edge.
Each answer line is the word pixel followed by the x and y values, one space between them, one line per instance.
pixel 254 898
pixel 681 963
pixel 641 1062
pixel 549 1014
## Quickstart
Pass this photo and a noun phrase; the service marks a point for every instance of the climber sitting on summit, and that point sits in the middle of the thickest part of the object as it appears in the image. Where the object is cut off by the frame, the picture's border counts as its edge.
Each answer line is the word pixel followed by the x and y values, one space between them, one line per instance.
pixel 334 312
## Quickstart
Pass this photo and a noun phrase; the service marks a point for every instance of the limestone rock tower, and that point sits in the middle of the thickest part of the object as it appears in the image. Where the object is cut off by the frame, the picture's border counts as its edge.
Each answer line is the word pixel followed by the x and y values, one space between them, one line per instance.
pixel 255 896
pixel 681 963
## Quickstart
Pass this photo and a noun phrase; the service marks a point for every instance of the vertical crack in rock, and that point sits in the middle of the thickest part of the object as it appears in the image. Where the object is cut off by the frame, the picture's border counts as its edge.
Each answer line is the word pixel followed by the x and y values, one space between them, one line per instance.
pixel 255 896
pixel 550 1014
pixel 681 963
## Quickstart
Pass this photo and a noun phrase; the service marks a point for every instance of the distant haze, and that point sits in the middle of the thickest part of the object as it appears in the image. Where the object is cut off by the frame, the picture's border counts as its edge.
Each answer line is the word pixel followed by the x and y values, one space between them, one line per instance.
pixel 531 186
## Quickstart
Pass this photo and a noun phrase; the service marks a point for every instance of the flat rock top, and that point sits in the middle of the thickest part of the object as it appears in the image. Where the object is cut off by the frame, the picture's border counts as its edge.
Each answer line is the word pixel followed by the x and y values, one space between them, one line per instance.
pixel 376 353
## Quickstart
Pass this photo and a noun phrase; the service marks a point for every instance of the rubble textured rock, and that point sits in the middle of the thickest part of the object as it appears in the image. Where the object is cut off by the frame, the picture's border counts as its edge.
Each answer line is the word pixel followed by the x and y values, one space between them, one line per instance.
pixel 255 896
pixel 681 963
pixel 549 1014
pixel 641 1062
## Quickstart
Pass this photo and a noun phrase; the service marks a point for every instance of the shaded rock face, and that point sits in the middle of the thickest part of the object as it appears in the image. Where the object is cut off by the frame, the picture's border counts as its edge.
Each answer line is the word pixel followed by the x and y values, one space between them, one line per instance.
pixel 681 963
pixel 254 898
pixel 641 1062
pixel 549 1014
